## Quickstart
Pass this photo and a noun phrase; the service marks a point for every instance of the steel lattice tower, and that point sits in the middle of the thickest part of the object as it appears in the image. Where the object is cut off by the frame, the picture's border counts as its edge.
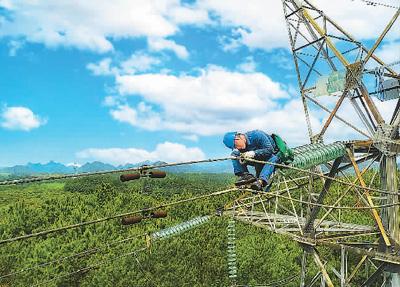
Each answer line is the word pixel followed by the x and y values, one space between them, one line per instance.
pixel 294 207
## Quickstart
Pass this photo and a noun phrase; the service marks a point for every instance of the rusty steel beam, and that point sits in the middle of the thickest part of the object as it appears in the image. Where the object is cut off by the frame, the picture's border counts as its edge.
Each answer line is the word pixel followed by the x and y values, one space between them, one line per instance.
pixel 333 113
pixel 336 116
pixel 369 199
pixel 371 105
pixel 379 40
pixel 322 268
pixel 314 212
pixel 337 26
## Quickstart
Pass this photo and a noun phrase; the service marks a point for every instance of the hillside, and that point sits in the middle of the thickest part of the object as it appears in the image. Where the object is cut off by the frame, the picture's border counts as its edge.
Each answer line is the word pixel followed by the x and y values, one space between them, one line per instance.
pixel 109 253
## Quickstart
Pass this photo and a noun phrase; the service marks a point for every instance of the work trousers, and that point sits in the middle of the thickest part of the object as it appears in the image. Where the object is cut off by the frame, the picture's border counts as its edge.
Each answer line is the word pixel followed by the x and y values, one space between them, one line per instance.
pixel 263 171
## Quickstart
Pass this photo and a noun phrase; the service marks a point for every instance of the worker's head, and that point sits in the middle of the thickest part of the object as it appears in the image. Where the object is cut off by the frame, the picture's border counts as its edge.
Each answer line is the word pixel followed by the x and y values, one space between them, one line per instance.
pixel 234 140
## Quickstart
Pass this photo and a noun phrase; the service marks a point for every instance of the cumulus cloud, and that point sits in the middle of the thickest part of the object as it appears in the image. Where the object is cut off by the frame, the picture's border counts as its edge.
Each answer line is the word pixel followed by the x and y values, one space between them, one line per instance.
pixel 247 66
pixel 211 103
pixel 102 68
pixel 193 138
pixel 218 100
pixel 20 118
pixel 137 62
pixel 91 25
pixel 158 44
pixel 167 151
pixel 262 25
pixel 389 52
pixel 204 104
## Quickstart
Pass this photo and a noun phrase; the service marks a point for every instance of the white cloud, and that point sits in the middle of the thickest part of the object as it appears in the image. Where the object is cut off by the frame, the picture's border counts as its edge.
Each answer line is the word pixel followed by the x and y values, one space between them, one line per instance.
pixel 111 101
pixel 247 66
pixel 139 62
pixel 93 24
pixel 283 59
pixel 167 151
pixel 217 100
pixel 14 46
pixel 389 52
pixel 6 4
pixel 212 103
pixel 202 105
pixel 158 44
pixel 259 25
pixel 193 138
pixel 20 118
pixel 262 24
pixel 102 68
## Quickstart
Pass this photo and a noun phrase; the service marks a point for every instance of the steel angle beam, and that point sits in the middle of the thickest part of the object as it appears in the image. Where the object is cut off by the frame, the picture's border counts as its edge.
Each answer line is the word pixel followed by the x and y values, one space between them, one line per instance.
pixel 314 212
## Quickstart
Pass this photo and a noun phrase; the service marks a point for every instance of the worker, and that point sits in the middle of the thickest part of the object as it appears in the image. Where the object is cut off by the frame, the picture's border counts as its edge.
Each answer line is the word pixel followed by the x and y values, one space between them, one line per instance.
pixel 256 145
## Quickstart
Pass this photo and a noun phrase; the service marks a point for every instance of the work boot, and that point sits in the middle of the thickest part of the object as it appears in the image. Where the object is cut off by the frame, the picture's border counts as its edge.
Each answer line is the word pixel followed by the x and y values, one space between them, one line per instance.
pixel 258 185
pixel 245 178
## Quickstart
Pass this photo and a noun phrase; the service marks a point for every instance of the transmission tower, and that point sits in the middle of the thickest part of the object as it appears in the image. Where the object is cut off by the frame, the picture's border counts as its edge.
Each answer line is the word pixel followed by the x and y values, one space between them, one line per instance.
pixel 331 63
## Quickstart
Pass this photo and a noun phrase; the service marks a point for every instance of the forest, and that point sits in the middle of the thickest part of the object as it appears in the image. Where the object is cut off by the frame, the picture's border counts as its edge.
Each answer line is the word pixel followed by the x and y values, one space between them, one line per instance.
pixel 109 253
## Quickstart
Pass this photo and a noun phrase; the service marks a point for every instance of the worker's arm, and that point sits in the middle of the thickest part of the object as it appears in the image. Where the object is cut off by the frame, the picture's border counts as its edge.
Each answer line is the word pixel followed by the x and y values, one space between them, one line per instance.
pixel 265 146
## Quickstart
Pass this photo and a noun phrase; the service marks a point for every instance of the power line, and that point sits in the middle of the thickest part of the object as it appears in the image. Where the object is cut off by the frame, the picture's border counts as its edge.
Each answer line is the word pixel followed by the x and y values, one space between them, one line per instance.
pixel 20 181
pixel 374 3
pixel 84 174
pixel 81 224
pixel 42 233
pixel 88 268
pixel 319 175
pixel 156 236
pixel 81 254
pixel 333 206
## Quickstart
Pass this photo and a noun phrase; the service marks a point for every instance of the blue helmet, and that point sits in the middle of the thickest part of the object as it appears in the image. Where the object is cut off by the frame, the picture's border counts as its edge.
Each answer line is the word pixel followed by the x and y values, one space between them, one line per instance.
pixel 229 139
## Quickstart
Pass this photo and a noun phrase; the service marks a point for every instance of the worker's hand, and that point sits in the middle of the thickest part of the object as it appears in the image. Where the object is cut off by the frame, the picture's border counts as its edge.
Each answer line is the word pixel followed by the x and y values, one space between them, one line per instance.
pixel 249 154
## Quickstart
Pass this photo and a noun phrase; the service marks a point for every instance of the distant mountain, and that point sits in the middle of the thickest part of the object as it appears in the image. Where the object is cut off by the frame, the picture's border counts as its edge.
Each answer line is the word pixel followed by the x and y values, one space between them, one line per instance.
pixel 95 166
pixel 50 167
pixel 59 168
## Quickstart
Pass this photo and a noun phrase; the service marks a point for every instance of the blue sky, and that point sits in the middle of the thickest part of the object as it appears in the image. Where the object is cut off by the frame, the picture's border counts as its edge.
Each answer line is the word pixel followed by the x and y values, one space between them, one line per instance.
pixel 133 80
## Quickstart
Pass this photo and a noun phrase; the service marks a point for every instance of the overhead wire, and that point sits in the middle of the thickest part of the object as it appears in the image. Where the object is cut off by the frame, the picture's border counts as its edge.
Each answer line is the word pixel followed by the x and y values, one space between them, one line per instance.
pixel 113 258
pixel 81 254
pixel 90 267
pixel 331 206
pixel 187 163
pixel 319 175
pixel 84 174
pixel 46 232
pixel 375 3
pixel 85 223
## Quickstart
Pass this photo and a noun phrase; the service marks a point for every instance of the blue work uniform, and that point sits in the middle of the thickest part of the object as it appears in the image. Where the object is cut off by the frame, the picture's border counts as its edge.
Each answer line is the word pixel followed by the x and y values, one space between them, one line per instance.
pixel 264 148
